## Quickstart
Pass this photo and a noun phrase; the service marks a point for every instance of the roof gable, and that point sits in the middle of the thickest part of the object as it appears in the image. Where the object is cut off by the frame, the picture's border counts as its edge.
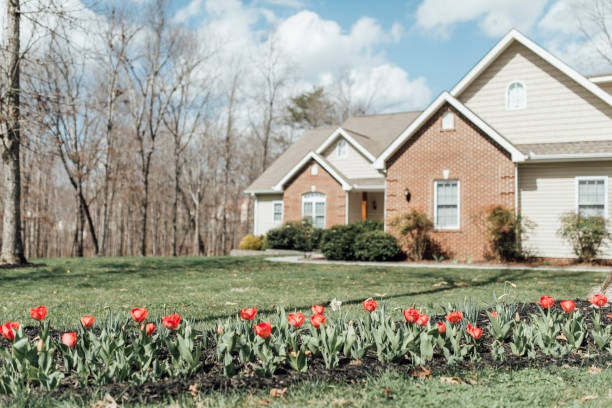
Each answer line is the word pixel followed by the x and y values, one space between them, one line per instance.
pixel 445 97
pixel 339 177
pixel 504 43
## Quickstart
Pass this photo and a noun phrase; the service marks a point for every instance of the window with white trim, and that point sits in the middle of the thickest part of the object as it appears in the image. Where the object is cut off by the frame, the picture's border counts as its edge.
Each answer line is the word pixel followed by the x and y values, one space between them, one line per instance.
pixel 341 149
pixel 446 204
pixel 314 169
pixel 592 196
pixel 278 212
pixel 448 121
pixel 313 208
pixel 516 96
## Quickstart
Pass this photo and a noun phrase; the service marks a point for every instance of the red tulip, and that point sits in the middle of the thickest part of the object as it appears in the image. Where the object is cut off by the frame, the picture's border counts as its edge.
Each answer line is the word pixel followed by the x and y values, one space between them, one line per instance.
pixel 474 331
pixel 248 314
pixel 87 321
pixel 171 322
pixel 318 310
pixel 263 330
pixel 568 305
pixel 422 320
pixel 38 313
pixel 411 315
pixel 317 320
pixel 494 314
pixel 69 339
pixel 441 328
pixel 599 300
pixel 546 302
pixel 370 305
pixel 149 328
pixel 8 330
pixel 296 319
pixel 454 317
pixel 139 314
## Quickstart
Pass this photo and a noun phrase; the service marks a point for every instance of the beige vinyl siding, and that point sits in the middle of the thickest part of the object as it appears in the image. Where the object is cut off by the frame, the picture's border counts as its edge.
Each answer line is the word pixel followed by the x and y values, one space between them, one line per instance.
pixel 354 165
pixel 558 108
pixel 546 192
pixel 264 213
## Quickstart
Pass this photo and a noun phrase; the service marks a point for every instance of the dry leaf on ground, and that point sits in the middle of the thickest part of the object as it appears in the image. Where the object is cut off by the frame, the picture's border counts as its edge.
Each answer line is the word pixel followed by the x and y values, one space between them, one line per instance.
pixel 450 380
pixel 278 392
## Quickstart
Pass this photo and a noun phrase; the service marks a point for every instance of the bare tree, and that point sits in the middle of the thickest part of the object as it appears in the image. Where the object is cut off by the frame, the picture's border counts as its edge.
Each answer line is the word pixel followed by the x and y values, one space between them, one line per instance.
pixel 184 116
pixel 150 92
pixel 271 78
pixel 595 21
pixel 73 124
pixel 12 245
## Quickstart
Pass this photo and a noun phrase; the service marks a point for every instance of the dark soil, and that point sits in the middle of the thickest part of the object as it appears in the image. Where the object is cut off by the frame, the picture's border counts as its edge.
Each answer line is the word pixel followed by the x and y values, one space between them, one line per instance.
pixel 212 378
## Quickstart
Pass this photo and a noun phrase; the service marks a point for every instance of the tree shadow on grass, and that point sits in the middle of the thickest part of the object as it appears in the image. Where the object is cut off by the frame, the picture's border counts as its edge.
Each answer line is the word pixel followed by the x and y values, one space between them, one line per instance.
pixel 494 278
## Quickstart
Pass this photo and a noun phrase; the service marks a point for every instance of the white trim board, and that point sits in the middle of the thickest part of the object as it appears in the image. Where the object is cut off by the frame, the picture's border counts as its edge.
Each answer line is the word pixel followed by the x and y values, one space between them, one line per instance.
pixel 312 156
pixel 445 97
pixel 341 132
pixel 505 42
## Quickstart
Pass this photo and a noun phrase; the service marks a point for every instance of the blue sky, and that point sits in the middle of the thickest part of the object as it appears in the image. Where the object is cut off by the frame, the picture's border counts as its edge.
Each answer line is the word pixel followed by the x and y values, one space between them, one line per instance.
pixel 408 51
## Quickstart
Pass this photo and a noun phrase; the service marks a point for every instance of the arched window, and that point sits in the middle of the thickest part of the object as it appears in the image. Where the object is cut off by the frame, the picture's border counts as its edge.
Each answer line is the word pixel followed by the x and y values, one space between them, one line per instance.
pixel 516 96
pixel 341 149
pixel 313 209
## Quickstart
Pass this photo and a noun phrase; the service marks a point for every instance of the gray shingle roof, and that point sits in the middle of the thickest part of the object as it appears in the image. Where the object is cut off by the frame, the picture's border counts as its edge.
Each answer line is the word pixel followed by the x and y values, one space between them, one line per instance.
pixel 373 132
pixel 376 132
pixel 309 141
pixel 603 146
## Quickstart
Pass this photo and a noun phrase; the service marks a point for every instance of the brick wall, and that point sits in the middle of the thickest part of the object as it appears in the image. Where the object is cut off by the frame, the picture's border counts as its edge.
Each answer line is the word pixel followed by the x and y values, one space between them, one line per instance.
pixel 323 182
pixel 484 170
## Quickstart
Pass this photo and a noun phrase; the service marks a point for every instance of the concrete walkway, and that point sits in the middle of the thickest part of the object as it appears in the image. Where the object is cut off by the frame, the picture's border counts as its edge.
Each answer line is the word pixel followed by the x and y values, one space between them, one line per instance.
pixel 302 260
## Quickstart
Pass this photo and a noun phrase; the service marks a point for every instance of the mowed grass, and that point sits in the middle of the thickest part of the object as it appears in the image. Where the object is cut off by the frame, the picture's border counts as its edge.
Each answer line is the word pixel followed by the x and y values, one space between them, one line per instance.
pixel 207 289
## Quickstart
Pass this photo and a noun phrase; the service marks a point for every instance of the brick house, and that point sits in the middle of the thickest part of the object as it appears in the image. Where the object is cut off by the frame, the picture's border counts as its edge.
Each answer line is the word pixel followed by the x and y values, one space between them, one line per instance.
pixel 521 129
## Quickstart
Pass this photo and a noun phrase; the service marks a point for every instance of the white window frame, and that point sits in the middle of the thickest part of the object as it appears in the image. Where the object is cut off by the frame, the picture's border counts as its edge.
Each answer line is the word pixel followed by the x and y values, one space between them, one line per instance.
pixel 524 106
pixel 341 154
pixel 577 189
pixel 320 198
pixel 451 227
pixel 452 120
pixel 282 211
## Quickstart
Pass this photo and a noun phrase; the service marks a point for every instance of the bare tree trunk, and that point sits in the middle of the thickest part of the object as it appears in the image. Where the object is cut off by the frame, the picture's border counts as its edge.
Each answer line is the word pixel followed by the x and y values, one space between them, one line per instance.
pixel 12 245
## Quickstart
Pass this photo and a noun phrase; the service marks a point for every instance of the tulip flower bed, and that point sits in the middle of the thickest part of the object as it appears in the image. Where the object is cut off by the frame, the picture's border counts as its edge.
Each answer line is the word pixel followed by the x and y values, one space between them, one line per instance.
pixel 138 358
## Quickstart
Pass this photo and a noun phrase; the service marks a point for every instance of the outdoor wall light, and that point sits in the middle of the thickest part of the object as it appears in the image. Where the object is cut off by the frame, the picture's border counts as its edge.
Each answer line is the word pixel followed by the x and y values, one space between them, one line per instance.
pixel 374 204
pixel 407 194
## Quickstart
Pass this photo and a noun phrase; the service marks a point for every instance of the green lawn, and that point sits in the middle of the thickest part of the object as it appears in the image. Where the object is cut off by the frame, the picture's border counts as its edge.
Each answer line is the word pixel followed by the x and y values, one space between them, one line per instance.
pixel 205 289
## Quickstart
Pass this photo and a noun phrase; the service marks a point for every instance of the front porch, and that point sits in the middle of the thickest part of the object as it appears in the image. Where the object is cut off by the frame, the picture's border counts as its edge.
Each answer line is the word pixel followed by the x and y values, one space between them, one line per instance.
pixel 365 205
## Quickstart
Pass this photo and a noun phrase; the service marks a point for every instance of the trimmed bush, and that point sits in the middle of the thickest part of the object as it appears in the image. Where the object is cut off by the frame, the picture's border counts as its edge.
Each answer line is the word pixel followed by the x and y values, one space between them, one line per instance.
pixel 586 235
pixel 376 246
pixel 296 235
pixel 505 229
pixel 338 242
pixel 251 242
pixel 414 228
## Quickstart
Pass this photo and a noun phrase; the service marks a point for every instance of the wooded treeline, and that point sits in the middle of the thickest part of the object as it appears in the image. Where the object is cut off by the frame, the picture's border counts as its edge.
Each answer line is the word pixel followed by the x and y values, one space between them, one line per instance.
pixel 139 135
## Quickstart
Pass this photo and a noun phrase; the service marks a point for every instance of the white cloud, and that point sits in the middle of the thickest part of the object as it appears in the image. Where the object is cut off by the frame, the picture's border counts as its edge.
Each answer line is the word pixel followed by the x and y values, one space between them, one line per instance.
pixel 495 18
pixel 192 9
pixel 562 32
